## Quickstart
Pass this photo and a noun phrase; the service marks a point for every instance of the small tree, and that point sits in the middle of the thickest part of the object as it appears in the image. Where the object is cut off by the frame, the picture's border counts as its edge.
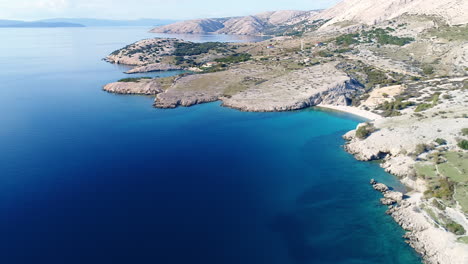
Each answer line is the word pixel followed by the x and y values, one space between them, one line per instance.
pixel 463 144
pixel 364 131
pixel 420 149
pixel 441 141
pixel 428 70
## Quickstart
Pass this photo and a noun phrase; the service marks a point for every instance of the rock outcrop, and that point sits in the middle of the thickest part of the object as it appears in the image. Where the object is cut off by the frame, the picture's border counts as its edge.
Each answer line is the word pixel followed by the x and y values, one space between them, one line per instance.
pixel 390 197
pixel 143 86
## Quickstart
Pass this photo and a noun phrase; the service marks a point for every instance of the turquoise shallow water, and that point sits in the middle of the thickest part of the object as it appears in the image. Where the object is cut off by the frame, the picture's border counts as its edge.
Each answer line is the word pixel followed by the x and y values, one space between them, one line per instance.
pixel 91 177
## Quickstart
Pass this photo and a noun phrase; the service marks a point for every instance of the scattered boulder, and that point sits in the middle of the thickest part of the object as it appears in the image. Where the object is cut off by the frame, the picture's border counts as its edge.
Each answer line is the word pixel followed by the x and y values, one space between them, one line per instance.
pixel 380 187
pixel 390 197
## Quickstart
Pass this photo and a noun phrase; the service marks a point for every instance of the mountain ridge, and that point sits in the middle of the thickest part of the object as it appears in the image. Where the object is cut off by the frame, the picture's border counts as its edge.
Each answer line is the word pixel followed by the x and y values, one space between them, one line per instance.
pixel 242 25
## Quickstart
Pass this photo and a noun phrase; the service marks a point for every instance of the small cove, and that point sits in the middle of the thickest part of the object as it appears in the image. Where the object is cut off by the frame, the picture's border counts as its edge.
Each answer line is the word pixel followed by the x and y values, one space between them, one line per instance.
pixel 92 177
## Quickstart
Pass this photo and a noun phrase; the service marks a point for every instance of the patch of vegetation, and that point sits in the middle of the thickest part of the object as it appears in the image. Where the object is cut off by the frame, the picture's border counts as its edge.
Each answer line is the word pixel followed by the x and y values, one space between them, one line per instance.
pixel 133 79
pixel 347 39
pixel 428 69
pixel 464 131
pixel 463 239
pixel 461 196
pixel 217 68
pixel 455 228
pixel 438 205
pixel 422 107
pixel 364 131
pixel 440 141
pixel 392 108
pixel 377 35
pixel 420 149
pixel 443 189
pixel 342 50
pixel 381 36
pixel 325 54
pixel 463 144
pixel 235 58
pixel 450 33
pixel 425 171
pixel 190 48
pixel 456 167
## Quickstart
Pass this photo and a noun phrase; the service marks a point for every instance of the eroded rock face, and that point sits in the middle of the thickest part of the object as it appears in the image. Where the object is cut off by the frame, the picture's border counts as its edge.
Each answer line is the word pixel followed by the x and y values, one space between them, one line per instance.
pixel 144 87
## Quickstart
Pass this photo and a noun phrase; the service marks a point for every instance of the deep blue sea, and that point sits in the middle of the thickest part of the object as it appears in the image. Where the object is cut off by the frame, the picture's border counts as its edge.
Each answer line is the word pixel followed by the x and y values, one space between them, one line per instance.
pixel 96 178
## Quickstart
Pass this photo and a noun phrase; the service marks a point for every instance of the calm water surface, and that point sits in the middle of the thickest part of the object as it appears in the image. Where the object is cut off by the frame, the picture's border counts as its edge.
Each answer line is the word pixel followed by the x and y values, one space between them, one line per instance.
pixel 91 177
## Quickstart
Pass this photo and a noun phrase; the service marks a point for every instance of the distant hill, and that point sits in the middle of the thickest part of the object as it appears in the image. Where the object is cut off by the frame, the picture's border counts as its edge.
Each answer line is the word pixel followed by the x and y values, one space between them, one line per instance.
pixel 23 24
pixel 90 22
pixel 4 22
pixel 82 22
pixel 263 23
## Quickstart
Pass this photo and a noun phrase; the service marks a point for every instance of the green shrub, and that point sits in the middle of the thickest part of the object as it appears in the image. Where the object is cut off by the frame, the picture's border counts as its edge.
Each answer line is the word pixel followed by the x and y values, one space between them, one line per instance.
pixel 438 205
pixel 463 144
pixel 364 131
pixel 422 107
pixel 444 189
pixel 347 39
pixel 324 53
pixel 235 58
pixel 441 141
pixel 392 108
pixel 382 37
pixel 420 149
pixel 428 69
pixel 455 228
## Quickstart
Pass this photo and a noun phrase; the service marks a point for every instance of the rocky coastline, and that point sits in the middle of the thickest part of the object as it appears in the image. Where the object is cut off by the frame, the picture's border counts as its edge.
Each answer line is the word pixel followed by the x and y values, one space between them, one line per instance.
pixel 436 246
pixel 427 224
pixel 406 74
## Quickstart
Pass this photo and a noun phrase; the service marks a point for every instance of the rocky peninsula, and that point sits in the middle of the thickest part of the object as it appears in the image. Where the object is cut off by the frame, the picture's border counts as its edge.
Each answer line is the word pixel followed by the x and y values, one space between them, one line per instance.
pixel 405 70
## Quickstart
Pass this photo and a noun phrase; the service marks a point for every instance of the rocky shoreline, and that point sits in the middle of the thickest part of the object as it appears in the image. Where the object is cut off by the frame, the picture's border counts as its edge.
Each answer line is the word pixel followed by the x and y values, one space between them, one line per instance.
pixel 436 246
pixel 412 211
pixel 405 74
